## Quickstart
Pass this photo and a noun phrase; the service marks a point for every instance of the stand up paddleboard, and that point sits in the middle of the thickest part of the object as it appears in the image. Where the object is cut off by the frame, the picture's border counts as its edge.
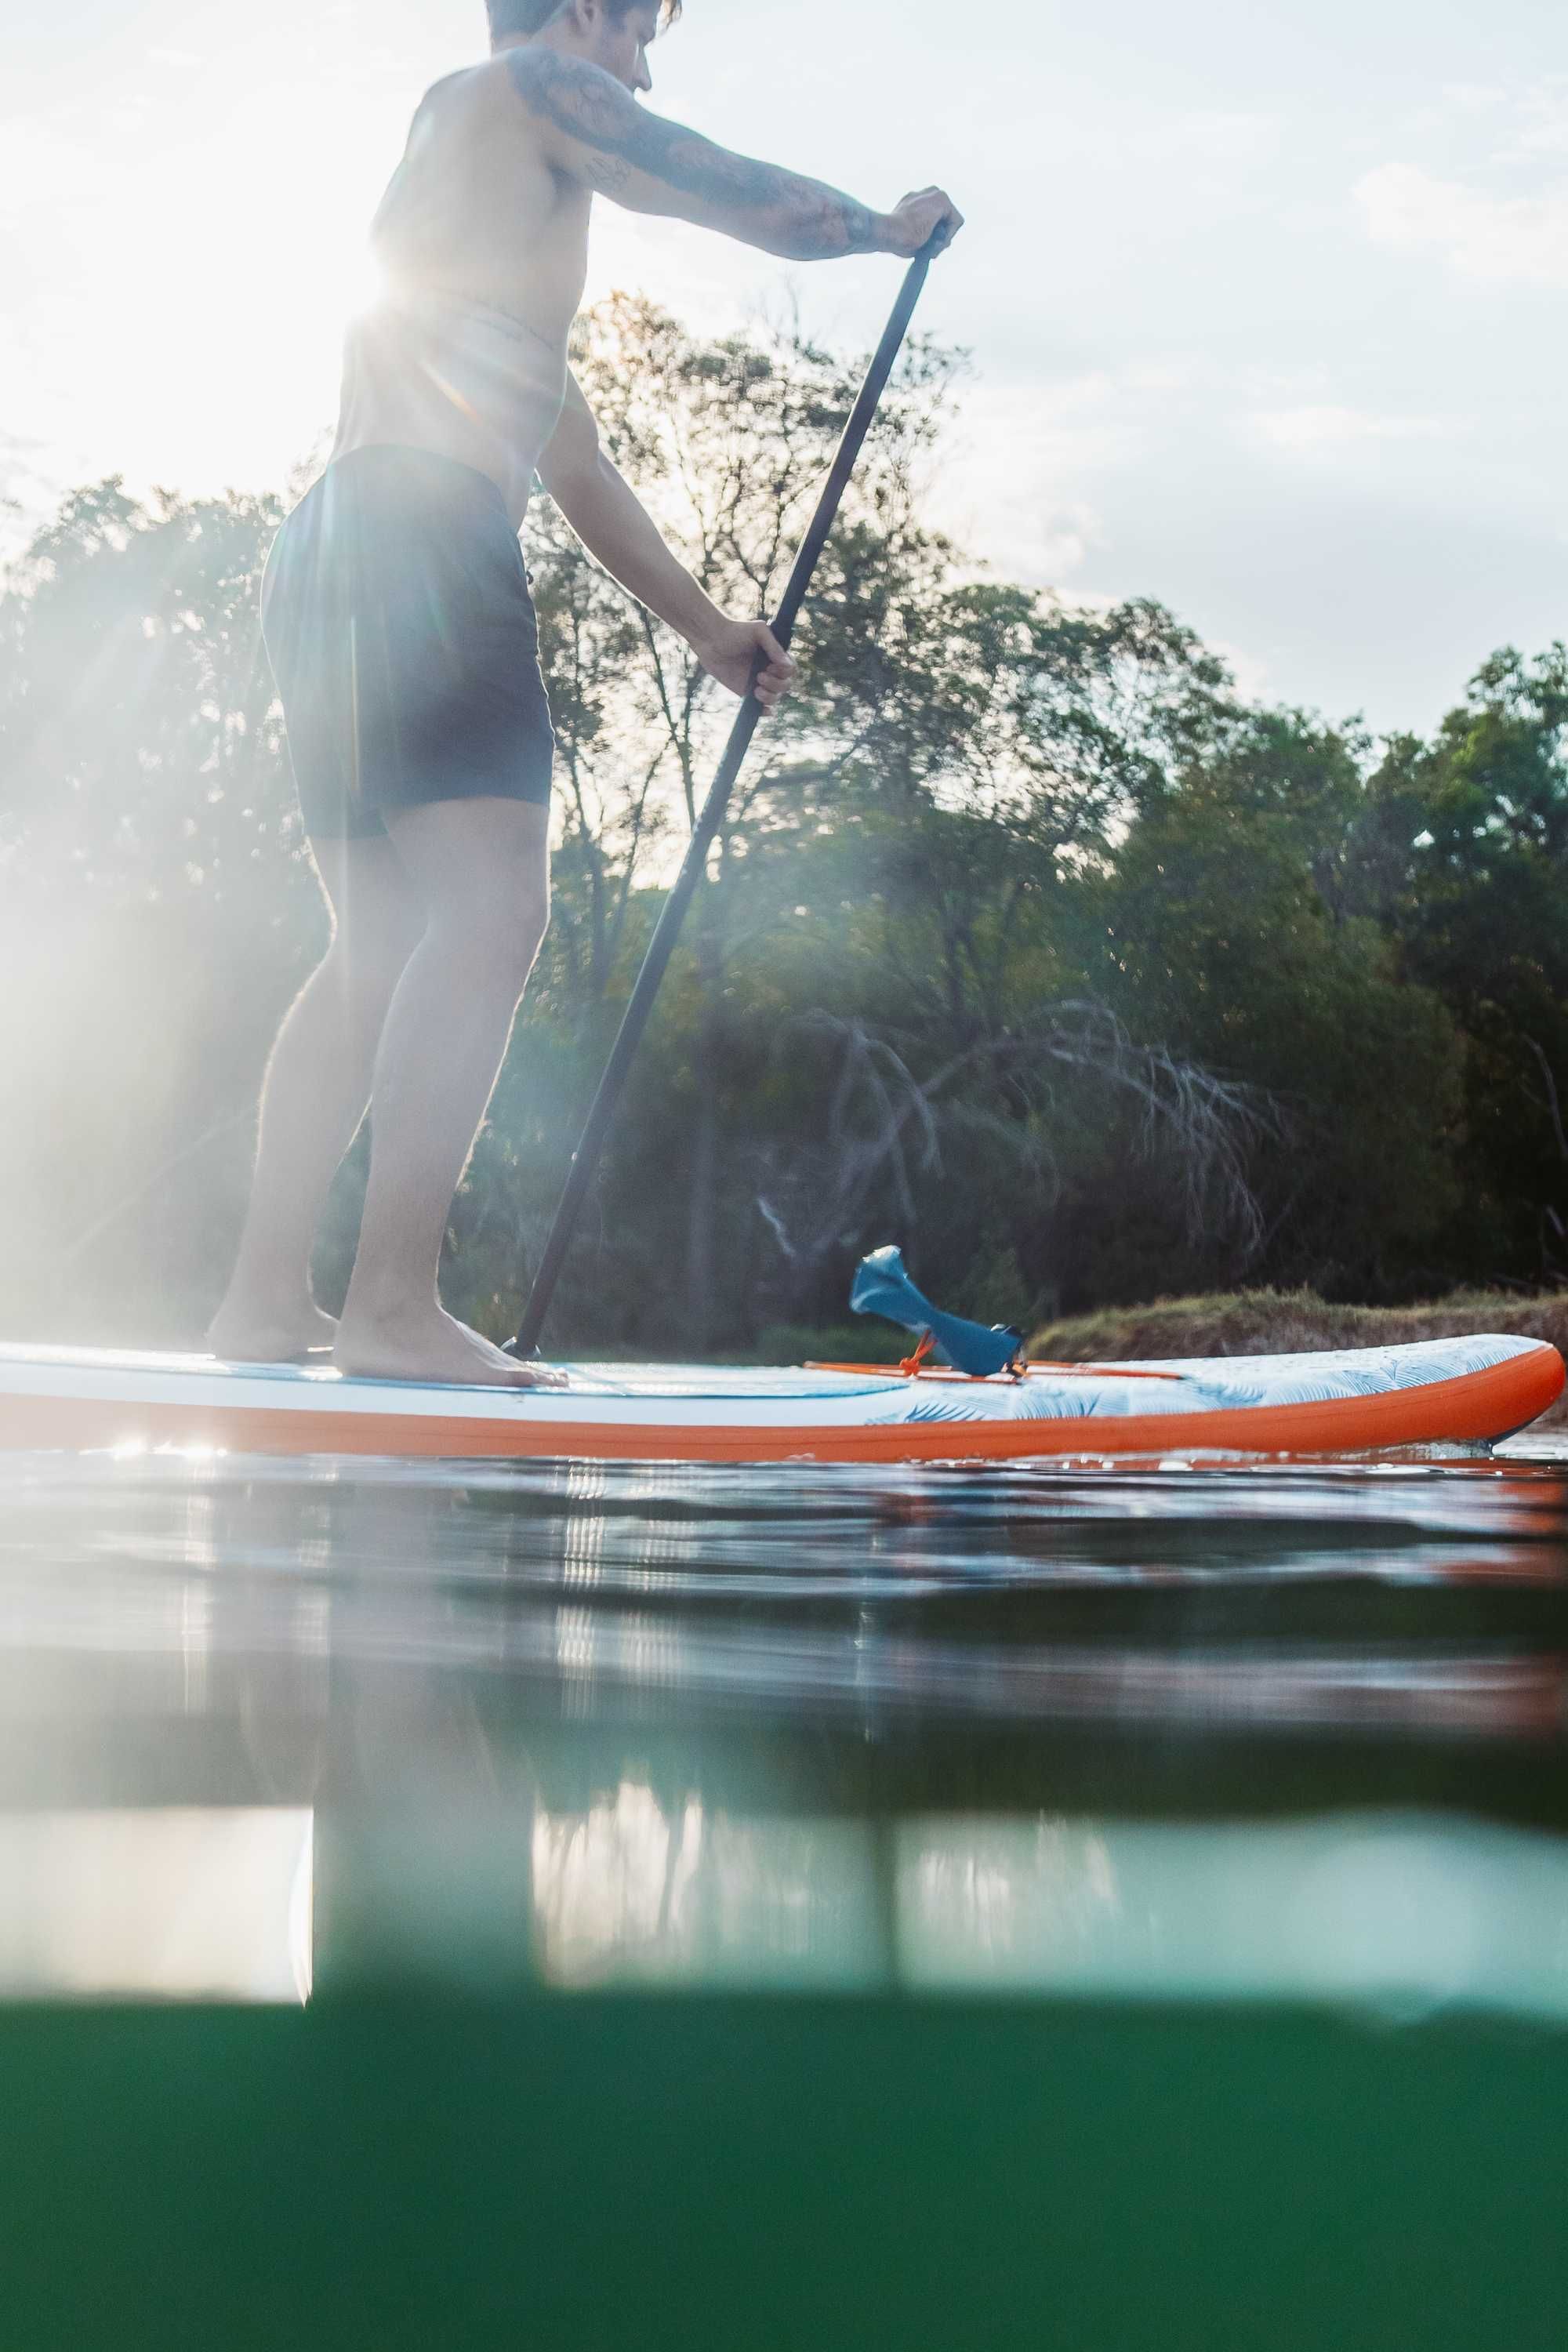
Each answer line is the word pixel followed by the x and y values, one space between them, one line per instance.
pixel 1338 1402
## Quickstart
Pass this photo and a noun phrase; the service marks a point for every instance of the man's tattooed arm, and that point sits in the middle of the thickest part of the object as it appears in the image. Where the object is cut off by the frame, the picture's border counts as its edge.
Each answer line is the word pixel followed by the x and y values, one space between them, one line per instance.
pixel 597 131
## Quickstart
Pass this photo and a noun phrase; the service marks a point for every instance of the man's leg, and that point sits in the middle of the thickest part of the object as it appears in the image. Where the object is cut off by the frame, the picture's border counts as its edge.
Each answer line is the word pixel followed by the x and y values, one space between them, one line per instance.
pixel 480 870
pixel 318 1084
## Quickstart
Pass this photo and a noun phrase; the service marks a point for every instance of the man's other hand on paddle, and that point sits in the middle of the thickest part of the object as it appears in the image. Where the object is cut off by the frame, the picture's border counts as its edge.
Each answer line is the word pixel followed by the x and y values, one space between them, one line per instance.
pixel 730 652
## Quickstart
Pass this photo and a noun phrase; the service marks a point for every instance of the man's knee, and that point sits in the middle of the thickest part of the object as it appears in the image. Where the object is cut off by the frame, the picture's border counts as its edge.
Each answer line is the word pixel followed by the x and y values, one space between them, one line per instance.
pixel 366 955
pixel 500 928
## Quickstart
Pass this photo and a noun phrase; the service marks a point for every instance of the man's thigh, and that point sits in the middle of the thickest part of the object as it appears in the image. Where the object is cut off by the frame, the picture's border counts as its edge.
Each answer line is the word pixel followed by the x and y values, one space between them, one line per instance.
pixel 478 857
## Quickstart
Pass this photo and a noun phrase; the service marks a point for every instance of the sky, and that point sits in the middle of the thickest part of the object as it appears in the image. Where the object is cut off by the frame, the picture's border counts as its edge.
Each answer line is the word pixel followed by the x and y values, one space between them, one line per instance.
pixel 1265 305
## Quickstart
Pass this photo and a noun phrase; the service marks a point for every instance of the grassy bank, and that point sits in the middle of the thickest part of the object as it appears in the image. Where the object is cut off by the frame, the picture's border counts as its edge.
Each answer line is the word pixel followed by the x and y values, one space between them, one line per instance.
pixel 1277 1322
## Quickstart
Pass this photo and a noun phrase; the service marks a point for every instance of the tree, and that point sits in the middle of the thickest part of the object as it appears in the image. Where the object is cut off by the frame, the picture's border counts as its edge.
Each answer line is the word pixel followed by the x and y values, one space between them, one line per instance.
pixel 1468 839
pixel 1229 934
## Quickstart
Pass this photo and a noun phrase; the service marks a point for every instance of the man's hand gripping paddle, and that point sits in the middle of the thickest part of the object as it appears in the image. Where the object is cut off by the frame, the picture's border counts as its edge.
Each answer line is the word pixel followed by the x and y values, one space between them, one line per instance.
pixel 585 1160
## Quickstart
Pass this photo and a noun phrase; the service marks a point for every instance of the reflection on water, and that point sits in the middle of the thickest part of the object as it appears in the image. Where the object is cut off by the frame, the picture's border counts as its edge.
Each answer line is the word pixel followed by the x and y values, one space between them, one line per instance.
pixel 162 1905
pixel 1396 1913
pixel 1393 1600
pixel 1389 1912
pixel 626 1891
pixel 1385 1911
pixel 1217 1733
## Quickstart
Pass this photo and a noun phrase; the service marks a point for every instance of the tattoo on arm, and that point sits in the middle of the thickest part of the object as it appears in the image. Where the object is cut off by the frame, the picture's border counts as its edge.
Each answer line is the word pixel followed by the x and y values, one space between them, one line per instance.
pixel 803 218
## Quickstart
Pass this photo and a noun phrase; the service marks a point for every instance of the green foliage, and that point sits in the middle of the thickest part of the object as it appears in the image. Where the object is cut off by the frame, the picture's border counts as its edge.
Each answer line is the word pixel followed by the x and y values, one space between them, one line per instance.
pixel 1222 936
pixel 1473 830
pixel 1024 944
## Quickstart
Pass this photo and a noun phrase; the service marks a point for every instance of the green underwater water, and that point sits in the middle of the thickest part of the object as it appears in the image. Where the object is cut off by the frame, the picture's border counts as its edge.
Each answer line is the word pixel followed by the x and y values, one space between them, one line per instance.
pixel 734 2170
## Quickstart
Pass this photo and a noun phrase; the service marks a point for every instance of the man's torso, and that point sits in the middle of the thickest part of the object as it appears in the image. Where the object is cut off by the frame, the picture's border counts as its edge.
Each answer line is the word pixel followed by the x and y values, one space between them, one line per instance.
pixel 482 250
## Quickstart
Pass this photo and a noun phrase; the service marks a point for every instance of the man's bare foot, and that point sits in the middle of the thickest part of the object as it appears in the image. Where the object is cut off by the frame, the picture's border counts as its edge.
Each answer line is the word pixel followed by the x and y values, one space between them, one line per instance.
pixel 430 1345
pixel 246 1332
pixel 544 1376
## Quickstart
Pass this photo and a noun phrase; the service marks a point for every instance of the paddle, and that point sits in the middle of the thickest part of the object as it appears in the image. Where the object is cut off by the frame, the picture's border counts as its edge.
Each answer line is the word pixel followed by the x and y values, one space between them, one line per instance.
pixel 585 1160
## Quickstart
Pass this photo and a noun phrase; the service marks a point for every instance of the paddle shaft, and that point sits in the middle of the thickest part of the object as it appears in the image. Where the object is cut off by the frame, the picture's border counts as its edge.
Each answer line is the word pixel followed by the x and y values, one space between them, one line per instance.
pixel 661 947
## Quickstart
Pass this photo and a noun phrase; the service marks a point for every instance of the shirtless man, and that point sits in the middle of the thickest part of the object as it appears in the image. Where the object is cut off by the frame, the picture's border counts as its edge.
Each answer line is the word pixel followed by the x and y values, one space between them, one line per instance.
pixel 398 618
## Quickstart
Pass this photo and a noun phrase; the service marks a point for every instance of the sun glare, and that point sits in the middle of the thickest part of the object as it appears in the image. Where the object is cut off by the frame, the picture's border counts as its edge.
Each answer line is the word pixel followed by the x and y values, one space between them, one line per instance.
pixel 237 319
pixel 363 283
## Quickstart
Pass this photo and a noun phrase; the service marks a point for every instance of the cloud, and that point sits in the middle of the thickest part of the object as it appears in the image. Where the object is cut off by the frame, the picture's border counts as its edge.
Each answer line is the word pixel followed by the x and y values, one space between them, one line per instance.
pixel 1041 475
pixel 1253 674
pixel 1522 240
pixel 1330 427
pixel 1471 97
pixel 1537 119
pixel 1045 545
pixel 1547 133
pixel 45 165
pixel 1215 136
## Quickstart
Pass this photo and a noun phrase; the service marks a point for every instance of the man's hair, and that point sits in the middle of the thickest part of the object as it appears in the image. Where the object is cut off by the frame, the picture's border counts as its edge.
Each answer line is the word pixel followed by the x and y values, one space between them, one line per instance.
pixel 513 17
